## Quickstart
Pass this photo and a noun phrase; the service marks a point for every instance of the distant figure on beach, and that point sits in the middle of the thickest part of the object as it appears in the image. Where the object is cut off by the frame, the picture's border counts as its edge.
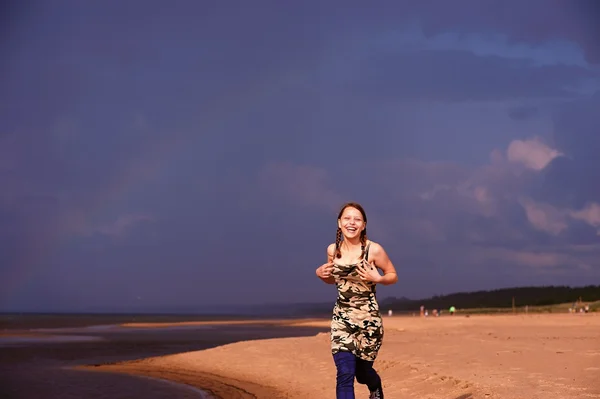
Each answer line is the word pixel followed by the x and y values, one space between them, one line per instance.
pixel 356 325
pixel 452 310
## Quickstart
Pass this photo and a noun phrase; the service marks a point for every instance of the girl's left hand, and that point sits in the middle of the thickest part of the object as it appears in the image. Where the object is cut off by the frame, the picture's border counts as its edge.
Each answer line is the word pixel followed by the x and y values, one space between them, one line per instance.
pixel 368 272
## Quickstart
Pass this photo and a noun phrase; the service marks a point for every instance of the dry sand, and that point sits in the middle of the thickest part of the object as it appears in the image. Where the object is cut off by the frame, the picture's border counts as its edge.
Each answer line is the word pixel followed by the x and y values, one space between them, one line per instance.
pixel 508 356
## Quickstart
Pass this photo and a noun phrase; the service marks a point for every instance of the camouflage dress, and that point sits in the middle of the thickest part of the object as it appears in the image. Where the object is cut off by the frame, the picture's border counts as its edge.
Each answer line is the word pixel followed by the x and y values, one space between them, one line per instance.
pixel 356 325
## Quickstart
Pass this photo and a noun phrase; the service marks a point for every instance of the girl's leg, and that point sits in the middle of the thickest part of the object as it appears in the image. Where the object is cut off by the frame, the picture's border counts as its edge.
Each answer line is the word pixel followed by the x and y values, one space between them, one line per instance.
pixel 345 362
pixel 366 374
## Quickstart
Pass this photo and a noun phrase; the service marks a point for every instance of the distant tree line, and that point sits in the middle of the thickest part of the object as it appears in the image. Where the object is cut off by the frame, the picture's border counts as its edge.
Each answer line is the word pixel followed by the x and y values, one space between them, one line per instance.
pixel 500 298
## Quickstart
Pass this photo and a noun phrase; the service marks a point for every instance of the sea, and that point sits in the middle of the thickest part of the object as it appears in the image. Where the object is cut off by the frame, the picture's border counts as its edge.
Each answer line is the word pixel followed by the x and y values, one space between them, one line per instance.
pixel 38 353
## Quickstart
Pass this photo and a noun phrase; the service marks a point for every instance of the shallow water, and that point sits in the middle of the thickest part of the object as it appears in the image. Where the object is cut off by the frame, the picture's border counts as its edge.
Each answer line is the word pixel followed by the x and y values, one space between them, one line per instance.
pixel 37 366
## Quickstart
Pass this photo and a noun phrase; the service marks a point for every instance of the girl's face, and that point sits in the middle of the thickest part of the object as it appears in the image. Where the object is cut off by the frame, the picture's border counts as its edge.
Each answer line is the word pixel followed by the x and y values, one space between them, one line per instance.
pixel 351 222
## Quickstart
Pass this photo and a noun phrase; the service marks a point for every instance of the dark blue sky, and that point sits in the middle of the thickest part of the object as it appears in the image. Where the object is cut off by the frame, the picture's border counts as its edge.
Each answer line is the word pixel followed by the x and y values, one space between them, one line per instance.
pixel 190 153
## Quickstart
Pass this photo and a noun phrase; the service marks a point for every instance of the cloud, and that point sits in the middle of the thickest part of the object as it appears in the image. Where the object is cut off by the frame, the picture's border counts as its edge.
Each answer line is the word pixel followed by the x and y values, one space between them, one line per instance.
pixel 478 216
pixel 576 125
pixel 570 181
pixel 533 22
pixel 590 214
pixel 454 75
pixel 544 217
pixel 533 153
pixel 233 160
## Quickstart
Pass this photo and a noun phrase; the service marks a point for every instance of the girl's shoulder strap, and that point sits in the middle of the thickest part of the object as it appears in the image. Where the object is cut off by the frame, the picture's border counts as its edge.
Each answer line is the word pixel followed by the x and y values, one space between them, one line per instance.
pixel 367 250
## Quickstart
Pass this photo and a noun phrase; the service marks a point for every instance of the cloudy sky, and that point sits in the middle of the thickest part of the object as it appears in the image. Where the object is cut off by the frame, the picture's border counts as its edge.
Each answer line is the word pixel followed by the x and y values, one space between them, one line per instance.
pixel 161 155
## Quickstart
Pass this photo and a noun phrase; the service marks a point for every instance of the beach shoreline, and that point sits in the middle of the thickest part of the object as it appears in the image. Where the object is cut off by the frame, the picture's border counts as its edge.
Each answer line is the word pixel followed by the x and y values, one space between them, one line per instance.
pixel 71 361
pixel 197 387
pixel 483 356
pixel 212 386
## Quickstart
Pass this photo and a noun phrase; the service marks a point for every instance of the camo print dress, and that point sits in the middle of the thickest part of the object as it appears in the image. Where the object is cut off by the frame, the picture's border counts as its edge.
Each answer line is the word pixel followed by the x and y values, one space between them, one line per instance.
pixel 356 325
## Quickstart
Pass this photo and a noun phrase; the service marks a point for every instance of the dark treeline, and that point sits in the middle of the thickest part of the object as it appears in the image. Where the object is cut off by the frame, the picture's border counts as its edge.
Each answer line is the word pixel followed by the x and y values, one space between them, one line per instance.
pixel 493 299
pixel 500 298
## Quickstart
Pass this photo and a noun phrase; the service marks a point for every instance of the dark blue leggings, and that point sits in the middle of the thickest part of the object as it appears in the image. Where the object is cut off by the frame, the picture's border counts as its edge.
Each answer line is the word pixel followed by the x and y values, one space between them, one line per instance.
pixel 349 366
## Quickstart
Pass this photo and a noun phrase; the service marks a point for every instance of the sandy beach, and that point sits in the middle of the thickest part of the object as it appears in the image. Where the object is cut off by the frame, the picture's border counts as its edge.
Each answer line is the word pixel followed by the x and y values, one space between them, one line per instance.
pixel 550 356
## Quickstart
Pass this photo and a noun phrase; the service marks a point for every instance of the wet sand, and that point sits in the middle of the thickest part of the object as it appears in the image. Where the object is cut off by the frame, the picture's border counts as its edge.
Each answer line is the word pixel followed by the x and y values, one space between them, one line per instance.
pixel 450 357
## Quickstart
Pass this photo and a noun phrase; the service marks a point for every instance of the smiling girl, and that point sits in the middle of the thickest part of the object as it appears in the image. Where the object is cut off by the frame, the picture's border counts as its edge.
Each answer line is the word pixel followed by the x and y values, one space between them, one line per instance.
pixel 356 325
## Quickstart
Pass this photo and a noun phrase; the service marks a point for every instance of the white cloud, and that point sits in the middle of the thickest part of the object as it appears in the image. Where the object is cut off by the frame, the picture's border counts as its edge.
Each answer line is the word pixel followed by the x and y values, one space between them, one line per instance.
pixel 544 217
pixel 532 153
pixel 590 214
pixel 481 212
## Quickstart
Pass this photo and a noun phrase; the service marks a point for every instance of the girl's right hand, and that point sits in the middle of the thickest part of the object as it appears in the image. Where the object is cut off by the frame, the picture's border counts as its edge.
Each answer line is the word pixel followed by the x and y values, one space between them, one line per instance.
pixel 325 270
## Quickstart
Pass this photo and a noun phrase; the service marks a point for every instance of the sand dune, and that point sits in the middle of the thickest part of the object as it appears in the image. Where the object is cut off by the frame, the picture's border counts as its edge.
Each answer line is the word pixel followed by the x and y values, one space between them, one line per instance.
pixel 509 357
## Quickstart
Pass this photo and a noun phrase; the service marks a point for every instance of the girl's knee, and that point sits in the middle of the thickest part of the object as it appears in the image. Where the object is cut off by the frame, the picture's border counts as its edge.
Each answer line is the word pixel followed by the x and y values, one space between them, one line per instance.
pixel 345 363
pixel 366 374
